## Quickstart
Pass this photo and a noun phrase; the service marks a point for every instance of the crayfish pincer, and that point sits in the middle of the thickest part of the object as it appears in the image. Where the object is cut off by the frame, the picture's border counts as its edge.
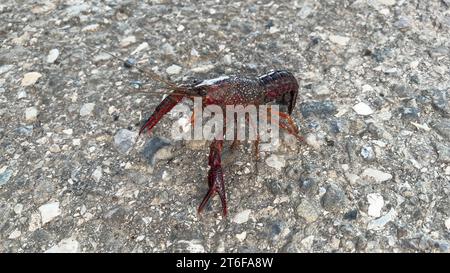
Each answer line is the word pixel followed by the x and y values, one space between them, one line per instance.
pixel 279 87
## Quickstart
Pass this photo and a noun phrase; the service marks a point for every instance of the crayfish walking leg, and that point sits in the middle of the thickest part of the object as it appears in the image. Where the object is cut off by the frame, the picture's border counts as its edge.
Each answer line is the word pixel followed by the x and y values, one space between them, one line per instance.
pixel 215 176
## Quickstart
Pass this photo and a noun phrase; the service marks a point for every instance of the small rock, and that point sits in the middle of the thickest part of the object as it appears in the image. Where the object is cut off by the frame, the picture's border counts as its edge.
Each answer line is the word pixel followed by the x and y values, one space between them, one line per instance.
pixel 5 68
pixel 443 152
pixel 156 148
pixel 403 23
pixel 376 204
pixel 307 211
pixel 87 109
pixel 193 246
pixel 314 141
pixel 317 108
pixel 5 175
pixel 441 101
pixel 103 56
pixel 35 222
pixel 173 69
pixel 379 223
pixel 277 187
pixel 443 128
pixel 276 162
pixel 52 55
pixel 362 109
pixel 308 185
pixel 447 223
pixel 410 112
pixel 49 212
pixel 91 28
pixel 367 153
pixel 351 215
pixel 242 217
pixel 31 114
pixel 203 68
pixel 379 176
pixel 227 59
pixel 305 11
pixel 241 236
pixel 15 234
pixel 124 140
pixel 54 148
pixel 128 41
pixel 168 49
pixel 97 174
pixel 333 199
pixel 30 78
pixel 386 2
pixel 68 245
pixel 18 209
pixel 322 90
pixel 22 94
pixel 180 28
pixel 141 47
pixel 339 40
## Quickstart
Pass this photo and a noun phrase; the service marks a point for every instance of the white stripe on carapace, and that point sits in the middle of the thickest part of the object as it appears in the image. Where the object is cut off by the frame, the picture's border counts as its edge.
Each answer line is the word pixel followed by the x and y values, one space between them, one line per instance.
pixel 267 74
pixel 212 81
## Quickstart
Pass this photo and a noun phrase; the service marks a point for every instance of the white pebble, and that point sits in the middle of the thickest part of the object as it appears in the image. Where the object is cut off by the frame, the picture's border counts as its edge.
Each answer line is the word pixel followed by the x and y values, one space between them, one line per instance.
pixel 242 217
pixel 339 40
pixel 386 2
pixel 376 204
pixel 68 245
pixel 447 223
pixel 22 94
pixel 15 234
pixel 87 109
pixel 31 114
pixel 241 236
pixel 362 109
pixel 276 162
pixel 128 41
pixel 141 47
pixel 173 69
pixel 52 55
pixel 49 211
pixel 203 68
pixel 379 223
pixel 97 174
pixel 30 78
pixel 379 176
pixel 18 209
pixel 180 28
pixel 68 131
pixel 227 59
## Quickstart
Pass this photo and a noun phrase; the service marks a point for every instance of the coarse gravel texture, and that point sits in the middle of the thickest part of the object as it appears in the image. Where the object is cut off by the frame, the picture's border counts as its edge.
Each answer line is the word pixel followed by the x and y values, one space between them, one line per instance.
pixel 373 175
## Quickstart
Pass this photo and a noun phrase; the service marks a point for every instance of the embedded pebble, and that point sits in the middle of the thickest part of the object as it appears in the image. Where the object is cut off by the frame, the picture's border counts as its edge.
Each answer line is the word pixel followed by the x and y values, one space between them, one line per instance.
pixel 378 175
pixel 386 2
pixel 87 109
pixel 124 140
pixel 376 204
pixel 320 109
pixel 49 212
pixel 379 223
pixel 339 40
pixel 5 175
pixel 241 236
pixel 15 234
pixel 30 78
pixel 52 55
pixel 97 174
pixel 367 152
pixel 447 223
pixel 68 245
pixel 91 28
pixel 141 47
pixel 242 217
pixel 443 151
pixel 307 211
pixel 443 128
pixel 127 41
pixel 227 59
pixel 403 23
pixel 31 114
pixel 22 94
pixel 173 69
pixel 203 68
pixel 18 209
pixel 102 56
pixel 276 162
pixel 193 246
pixel 156 148
pixel 362 109
pixel 441 101
pixel 334 198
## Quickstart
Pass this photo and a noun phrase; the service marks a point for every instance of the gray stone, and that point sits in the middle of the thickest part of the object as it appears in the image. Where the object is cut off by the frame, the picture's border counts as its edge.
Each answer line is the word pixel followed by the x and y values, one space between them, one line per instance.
pixel 403 23
pixel 317 108
pixel 443 128
pixel 441 101
pixel 367 153
pixel 5 175
pixel 443 152
pixel 87 109
pixel 156 148
pixel 124 140
pixel 308 185
pixel 308 211
pixel 334 198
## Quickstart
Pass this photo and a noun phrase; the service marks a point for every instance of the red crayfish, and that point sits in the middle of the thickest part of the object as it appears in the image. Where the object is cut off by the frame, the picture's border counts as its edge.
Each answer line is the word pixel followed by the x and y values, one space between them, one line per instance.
pixel 278 87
